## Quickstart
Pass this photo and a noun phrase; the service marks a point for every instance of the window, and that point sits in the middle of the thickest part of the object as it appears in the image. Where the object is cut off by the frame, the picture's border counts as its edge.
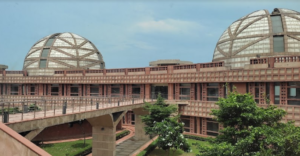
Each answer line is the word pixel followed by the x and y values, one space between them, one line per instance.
pixel 54 89
pixel 278 44
pixel 74 90
pixel 212 91
pixel 277 93
pixel 276 24
pixel 43 63
pixel 31 90
pixel 136 90
pixel 115 90
pixel 94 90
pixel 185 90
pixel 14 89
pixel 293 91
pixel 212 127
pixel 186 121
pixel 45 52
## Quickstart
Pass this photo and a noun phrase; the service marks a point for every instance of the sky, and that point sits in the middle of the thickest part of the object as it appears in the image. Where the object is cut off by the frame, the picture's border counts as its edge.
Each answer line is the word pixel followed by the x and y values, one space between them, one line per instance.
pixel 127 33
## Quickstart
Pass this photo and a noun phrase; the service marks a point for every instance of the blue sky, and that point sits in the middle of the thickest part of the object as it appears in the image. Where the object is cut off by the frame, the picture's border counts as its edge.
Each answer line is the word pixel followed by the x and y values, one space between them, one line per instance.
pixel 127 33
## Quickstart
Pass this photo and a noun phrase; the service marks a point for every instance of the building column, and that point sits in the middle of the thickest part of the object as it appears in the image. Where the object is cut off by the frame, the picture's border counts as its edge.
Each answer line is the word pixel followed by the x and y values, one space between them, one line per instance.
pixel 198 125
pixel 108 88
pixel 60 90
pixel 147 91
pixel 104 90
pixel 283 93
pixel 20 89
pixel 192 126
pixel 204 126
pixel 4 89
pixel 198 91
pixel 177 91
pixel 139 125
pixel 272 93
pixel 142 91
pixel 204 92
pixel 104 133
pixel 170 91
pixel 192 92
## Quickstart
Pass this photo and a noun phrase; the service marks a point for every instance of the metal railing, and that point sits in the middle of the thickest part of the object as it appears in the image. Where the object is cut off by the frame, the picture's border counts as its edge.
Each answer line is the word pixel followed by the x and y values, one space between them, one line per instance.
pixel 19 110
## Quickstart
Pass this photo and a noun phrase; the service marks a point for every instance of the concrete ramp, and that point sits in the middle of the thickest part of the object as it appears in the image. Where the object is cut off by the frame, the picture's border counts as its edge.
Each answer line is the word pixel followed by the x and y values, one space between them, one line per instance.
pixel 13 143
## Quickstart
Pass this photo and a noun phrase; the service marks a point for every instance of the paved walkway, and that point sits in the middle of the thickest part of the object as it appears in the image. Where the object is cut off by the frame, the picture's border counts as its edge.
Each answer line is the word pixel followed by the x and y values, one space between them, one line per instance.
pixel 128 147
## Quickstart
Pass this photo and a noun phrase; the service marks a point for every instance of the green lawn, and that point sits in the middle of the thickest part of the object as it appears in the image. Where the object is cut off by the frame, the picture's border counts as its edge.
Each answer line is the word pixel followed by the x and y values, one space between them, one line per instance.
pixel 160 152
pixel 67 148
pixel 74 147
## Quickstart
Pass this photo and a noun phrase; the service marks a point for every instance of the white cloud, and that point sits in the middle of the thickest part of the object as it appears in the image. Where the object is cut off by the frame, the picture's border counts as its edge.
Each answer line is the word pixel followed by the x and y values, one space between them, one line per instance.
pixel 167 25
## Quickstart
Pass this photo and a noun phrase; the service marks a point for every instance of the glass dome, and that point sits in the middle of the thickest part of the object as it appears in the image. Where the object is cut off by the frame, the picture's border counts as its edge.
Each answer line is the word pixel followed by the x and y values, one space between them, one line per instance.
pixel 259 34
pixel 63 51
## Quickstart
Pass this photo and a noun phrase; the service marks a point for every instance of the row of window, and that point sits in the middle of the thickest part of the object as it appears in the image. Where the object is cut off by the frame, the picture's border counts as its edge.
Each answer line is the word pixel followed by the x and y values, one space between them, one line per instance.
pixel 212 89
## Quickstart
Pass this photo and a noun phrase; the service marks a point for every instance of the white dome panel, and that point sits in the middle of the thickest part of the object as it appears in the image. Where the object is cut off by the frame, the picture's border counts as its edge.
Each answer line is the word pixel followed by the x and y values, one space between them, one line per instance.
pixel 33 65
pixel 55 53
pixel 62 49
pixel 61 43
pixel 259 34
pixel 40 44
pixel 68 35
pixel 93 57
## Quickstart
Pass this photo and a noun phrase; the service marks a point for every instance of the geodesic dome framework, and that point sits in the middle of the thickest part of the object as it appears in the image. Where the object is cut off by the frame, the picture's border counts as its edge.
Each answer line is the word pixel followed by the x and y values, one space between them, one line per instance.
pixel 259 34
pixel 63 51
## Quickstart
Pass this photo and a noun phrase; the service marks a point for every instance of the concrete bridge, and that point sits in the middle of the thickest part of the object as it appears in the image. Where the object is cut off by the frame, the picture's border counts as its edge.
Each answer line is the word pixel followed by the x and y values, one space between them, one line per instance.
pixel 103 113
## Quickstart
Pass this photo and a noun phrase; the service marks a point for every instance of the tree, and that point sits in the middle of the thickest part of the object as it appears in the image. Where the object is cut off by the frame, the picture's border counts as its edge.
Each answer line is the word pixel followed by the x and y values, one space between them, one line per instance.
pixel 158 112
pixel 170 135
pixel 160 122
pixel 251 130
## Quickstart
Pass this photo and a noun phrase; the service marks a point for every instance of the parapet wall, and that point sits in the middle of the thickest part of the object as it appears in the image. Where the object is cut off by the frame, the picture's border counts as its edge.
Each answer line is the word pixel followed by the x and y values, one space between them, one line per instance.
pixel 14 144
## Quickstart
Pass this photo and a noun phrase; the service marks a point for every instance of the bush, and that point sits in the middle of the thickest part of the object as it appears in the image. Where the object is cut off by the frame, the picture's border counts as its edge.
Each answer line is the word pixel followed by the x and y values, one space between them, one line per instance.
pixel 11 110
pixel 208 139
pixel 122 134
pixel 33 107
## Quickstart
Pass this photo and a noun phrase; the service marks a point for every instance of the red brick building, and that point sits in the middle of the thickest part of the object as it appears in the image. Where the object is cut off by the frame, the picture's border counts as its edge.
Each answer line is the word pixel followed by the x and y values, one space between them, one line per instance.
pixel 258 53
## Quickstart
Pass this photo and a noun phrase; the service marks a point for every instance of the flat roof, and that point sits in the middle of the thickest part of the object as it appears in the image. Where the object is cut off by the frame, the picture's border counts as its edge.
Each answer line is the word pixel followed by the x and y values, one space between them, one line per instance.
pixel 3 66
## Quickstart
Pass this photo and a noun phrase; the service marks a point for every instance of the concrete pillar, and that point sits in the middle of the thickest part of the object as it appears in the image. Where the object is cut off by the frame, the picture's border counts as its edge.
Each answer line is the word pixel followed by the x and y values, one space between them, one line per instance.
pixel 104 134
pixel 104 140
pixel 139 125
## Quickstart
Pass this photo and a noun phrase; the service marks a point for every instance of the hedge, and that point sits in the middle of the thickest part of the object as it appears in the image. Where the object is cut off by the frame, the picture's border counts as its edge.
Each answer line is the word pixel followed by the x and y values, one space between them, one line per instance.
pixel 11 110
pixel 208 139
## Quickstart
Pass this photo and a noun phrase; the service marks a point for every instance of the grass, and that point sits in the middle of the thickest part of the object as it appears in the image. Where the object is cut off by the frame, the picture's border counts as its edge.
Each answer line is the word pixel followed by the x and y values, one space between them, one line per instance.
pixel 67 148
pixel 160 152
pixel 74 147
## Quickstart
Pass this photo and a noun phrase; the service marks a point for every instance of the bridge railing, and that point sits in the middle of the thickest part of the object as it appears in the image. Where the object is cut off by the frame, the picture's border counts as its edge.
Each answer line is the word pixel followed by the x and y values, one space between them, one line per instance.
pixel 19 110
